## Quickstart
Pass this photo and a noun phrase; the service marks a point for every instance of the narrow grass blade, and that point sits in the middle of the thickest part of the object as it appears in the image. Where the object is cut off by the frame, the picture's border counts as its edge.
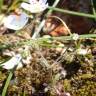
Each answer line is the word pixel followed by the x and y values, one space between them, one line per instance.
pixel 72 12
pixel 7 83
pixel 93 8
pixel 86 36
pixel 1 5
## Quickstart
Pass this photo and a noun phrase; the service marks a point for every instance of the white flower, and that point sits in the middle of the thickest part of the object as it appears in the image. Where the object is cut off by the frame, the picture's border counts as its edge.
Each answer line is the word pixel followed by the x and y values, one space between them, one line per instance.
pixel 67 94
pixel 16 22
pixel 14 61
pixel 82 51
pixel 75 36
pixel 26 54
pixel 35 6
pixel 63 73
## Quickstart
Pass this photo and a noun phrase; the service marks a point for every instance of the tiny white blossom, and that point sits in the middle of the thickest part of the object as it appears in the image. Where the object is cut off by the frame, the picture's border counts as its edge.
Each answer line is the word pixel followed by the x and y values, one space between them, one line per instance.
pixel 35 6
pixel 14 61
pixel 75 36
pixel 82 51
pixel 46 89
pixel 63 73
pixel 26 54
pixel 16 22
pixel 67 94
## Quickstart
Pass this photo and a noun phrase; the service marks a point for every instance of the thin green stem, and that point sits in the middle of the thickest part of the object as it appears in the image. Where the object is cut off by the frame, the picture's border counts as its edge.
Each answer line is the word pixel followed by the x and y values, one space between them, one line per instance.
pixel 30 42
pixel 54 5
pixel 7 83
pixel 86 36
pixel 1 5
pixel 72 12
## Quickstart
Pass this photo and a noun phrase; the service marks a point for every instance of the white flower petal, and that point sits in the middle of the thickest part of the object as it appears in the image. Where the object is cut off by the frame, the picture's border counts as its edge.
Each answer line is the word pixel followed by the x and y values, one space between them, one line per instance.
pixel 33 1
pixel 12 62
pixel 16 22
pixel 82 51
pixel 75 36
pixel 25 6
pixel 43 1
pixel 67 94
pixel 35 6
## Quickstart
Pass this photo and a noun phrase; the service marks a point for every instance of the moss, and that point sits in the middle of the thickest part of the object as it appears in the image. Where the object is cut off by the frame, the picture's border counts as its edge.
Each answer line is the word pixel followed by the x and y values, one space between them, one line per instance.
pixel 67 85
pixel 84 85
pixel 2 79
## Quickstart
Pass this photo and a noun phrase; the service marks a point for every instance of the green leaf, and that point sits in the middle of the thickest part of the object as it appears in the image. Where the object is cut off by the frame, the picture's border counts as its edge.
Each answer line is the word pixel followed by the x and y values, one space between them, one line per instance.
pixel 1 5
pixel 7 83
